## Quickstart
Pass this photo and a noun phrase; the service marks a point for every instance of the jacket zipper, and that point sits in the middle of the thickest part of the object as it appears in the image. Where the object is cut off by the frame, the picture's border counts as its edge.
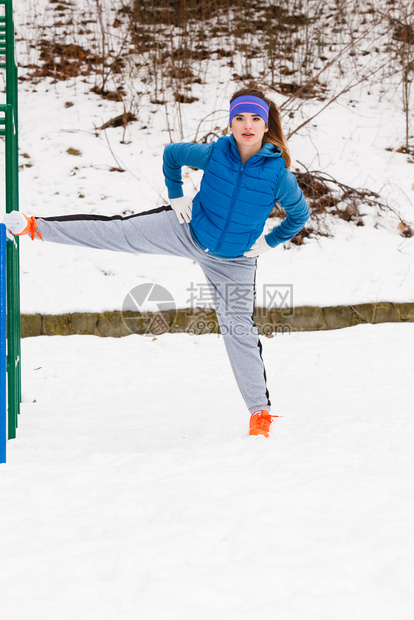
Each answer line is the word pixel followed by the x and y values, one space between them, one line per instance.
pixel 231 208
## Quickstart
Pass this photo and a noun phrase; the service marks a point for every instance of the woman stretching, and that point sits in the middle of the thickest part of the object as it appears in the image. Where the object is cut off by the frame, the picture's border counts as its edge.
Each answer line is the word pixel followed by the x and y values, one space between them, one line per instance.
pixel 221 228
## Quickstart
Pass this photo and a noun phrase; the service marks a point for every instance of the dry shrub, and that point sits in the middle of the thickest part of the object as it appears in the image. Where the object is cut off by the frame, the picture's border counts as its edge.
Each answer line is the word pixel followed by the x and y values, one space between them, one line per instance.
pixel 62 61
pixel 328 198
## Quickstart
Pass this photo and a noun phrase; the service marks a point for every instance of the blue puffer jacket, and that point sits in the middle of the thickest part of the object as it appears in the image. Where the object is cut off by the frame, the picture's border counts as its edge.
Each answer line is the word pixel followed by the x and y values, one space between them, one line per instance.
pixel 235 199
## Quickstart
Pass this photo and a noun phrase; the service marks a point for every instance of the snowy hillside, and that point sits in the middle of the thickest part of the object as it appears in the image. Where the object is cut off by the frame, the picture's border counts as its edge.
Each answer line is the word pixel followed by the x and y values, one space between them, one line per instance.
pixel 68 166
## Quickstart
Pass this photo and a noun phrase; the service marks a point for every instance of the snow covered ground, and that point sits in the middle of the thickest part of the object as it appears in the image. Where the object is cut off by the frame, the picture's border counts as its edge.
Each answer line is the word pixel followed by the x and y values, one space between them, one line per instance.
pixel 133 490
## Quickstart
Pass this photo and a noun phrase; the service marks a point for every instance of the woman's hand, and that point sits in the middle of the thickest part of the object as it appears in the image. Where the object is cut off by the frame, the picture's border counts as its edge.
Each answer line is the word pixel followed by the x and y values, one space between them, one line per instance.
pixel 183 208
pixel 259 247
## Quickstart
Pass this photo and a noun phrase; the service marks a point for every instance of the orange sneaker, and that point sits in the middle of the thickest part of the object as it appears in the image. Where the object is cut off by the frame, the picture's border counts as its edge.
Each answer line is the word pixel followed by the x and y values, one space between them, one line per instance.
pixel 260 422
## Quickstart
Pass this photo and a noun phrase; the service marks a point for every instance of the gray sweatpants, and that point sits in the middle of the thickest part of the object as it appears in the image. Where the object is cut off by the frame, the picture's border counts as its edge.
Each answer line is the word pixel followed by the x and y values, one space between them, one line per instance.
pixel 231 280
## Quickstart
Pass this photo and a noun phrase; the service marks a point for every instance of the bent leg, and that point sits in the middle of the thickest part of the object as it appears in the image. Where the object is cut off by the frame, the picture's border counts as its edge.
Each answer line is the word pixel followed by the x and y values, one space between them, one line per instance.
pixel 233 286
pixel 151 232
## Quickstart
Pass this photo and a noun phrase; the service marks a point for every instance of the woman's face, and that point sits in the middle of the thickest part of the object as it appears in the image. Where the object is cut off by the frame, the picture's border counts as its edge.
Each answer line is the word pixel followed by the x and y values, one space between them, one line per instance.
pixel 248 129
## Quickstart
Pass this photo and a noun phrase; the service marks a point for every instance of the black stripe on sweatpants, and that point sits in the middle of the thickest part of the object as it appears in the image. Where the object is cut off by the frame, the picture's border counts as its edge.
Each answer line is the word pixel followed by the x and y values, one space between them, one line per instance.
pixel 104 218
pixel 259 344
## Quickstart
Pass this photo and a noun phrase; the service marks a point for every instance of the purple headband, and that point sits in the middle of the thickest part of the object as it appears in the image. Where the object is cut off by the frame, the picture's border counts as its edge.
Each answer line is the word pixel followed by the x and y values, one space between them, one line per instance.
pixel 253 105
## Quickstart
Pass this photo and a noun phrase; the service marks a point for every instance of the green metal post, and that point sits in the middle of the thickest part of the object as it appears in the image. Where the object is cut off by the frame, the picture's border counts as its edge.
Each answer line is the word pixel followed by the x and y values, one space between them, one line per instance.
pixel 13 297
pixel 12 203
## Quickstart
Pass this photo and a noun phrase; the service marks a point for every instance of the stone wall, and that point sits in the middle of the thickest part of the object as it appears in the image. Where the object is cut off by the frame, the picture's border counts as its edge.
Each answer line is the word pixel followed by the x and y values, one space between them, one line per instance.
pixel 201 321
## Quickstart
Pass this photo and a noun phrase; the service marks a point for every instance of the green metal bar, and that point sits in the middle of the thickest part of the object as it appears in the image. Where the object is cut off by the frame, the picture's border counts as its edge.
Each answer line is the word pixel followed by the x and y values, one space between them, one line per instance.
pixel 10 111
pixel 16 206
pixel 3 344
pixel 13 306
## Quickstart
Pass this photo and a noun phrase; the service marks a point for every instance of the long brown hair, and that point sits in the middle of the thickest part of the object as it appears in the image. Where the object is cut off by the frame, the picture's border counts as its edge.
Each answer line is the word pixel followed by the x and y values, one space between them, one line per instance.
pixel 275 134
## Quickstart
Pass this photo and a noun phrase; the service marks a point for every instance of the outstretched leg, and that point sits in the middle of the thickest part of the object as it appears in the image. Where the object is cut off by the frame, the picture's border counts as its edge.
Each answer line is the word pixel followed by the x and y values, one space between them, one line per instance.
pixel 151 232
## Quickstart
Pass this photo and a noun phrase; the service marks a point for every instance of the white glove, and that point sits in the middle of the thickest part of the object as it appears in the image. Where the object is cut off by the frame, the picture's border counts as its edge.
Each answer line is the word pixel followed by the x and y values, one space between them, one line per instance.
pixel 15 222
pixel 183 208
pixel 259 247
